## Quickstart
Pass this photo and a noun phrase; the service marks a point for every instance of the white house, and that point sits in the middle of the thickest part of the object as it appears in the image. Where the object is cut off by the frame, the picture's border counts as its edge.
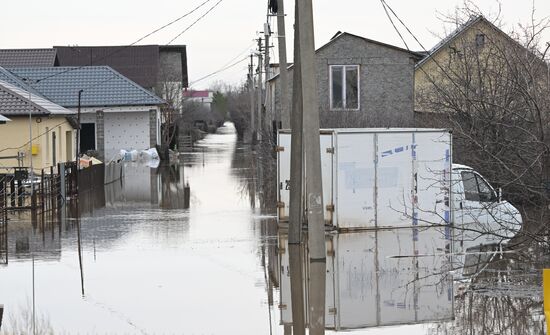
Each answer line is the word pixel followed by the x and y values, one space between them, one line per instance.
pixel 116 113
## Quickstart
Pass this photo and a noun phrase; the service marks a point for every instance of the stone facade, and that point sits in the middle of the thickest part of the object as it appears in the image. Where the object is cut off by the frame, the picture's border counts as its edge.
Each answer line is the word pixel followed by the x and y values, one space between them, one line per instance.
pixel 386 84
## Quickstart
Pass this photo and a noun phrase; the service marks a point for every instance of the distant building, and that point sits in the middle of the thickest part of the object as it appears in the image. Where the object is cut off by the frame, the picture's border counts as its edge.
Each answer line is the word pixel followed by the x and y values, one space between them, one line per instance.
pixel 360 83
pixel 28 57
pixel 204 97
pixel 53 129
pixel 116 113
pixel 150 66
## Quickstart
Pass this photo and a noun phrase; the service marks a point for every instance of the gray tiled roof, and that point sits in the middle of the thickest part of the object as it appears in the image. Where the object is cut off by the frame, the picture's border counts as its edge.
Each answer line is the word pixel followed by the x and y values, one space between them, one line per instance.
pixel 10 78
pixel 28 57
pixel 16 101
pixel 102 86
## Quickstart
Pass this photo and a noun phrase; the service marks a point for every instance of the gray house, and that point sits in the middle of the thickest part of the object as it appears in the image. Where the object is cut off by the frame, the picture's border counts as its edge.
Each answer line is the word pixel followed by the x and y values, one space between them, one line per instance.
pixel 360 83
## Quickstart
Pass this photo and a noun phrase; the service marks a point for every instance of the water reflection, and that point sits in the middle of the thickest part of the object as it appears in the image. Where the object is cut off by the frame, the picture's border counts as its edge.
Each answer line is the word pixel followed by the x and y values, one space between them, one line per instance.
pixel 164 186
pixel 379 278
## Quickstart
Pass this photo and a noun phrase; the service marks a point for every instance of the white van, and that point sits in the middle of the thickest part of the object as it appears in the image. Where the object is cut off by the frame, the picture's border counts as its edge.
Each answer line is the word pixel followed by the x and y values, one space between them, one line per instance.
pixel 401 178
pixel 480 216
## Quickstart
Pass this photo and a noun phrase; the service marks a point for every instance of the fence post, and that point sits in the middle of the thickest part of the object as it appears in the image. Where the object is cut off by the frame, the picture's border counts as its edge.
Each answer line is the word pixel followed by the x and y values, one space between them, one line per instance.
pixel 19 193
pixel 42 195
pixel 12 191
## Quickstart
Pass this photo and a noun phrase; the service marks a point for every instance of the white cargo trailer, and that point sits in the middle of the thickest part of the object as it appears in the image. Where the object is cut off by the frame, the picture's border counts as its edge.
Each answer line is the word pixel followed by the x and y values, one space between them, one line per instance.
pixel 398 178
pixel 378 178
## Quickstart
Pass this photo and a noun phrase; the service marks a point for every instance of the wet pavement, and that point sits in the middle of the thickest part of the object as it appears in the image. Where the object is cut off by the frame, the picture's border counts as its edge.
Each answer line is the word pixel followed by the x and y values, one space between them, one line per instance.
pixel 150 265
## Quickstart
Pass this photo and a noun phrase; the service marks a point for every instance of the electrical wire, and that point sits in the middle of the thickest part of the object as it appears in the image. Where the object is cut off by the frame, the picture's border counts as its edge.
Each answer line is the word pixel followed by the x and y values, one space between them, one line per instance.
pixel 126 46
pixel 197 20
pixel 218 71
pixel 34 138
pixel 384 5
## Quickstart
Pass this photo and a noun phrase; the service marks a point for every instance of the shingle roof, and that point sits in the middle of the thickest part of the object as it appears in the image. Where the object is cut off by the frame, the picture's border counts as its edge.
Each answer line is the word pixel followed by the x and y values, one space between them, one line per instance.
pixel 102 86
pixel 28 57
pixel 16 101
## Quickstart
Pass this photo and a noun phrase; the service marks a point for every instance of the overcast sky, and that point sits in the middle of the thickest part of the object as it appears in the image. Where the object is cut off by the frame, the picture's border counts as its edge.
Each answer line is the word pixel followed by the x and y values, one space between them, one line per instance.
pixel 230 28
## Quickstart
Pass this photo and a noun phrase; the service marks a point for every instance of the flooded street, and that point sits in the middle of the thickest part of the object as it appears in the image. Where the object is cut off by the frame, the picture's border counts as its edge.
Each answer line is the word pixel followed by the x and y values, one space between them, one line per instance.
pixel 150 265
pixel 147 269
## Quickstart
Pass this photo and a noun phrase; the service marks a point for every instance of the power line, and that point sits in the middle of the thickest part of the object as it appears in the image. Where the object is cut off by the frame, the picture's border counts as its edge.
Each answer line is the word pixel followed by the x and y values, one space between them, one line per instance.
pixel 432 81
pixel 393 24
pixel 126 46
pixel 197 20
pixel 220 70
pixel 227 65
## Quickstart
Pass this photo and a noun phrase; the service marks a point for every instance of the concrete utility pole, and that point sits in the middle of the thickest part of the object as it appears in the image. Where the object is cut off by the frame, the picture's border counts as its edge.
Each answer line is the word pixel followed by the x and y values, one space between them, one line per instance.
pixel 296 150
pixel 260 90
pixel 296 195
pixel 267 33
pixel 314 188
pixel 251 92
pixel 283 73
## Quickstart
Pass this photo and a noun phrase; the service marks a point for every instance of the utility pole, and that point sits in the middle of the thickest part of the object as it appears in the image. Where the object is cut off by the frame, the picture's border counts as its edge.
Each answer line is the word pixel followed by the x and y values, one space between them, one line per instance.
pixel 296 195
pixel 314 187
pixel 267 33
pixel 251 92
pixel 283 73
pixel 260 82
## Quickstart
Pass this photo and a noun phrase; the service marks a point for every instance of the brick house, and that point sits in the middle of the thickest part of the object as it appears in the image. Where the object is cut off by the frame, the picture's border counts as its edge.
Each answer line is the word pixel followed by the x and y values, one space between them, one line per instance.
pixel 360 83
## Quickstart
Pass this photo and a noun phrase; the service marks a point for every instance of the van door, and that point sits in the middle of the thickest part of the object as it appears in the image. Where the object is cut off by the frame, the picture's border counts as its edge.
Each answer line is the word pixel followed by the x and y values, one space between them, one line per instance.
pixel 478 207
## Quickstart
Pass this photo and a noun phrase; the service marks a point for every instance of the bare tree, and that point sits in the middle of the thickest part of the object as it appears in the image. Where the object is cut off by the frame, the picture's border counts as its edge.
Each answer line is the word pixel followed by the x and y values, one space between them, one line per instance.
pixel 493 91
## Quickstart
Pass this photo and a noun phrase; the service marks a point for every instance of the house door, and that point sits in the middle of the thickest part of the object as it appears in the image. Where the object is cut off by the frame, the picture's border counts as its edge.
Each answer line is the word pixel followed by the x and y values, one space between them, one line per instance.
pixel 87 137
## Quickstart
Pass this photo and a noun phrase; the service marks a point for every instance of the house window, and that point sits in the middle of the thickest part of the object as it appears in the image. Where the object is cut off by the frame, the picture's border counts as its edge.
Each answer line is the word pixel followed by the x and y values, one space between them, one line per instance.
pixel 480 40
pixel 344 87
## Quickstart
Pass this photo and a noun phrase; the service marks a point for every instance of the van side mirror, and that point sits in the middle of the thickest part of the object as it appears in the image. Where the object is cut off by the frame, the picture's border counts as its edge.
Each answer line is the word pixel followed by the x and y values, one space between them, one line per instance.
pixel 499 194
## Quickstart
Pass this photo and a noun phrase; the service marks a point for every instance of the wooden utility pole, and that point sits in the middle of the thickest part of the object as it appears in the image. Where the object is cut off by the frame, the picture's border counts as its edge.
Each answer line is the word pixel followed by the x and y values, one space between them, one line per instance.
pixel 251 92
pixel 283 73
pixel 314 188
pixel 260 89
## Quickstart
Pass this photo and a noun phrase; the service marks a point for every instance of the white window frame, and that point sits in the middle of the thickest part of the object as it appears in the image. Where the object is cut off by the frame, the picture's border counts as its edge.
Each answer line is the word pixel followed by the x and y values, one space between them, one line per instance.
pixel 344 66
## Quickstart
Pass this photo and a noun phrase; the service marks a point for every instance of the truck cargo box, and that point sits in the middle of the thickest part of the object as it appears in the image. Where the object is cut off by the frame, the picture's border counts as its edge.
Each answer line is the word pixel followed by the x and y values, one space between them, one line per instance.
pixel 378 178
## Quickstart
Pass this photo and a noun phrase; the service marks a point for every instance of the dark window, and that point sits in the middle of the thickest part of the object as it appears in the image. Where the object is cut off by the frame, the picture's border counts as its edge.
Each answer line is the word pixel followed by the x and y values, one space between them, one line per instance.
pixel 486 194
pixel 87 137
pixel 337 87
pixel 477 189
pixel 344 86
pixel 480 40
pixel 470 186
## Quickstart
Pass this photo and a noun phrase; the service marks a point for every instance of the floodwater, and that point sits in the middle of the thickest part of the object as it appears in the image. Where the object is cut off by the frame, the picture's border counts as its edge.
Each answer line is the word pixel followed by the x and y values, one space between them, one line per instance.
pixel 151 264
